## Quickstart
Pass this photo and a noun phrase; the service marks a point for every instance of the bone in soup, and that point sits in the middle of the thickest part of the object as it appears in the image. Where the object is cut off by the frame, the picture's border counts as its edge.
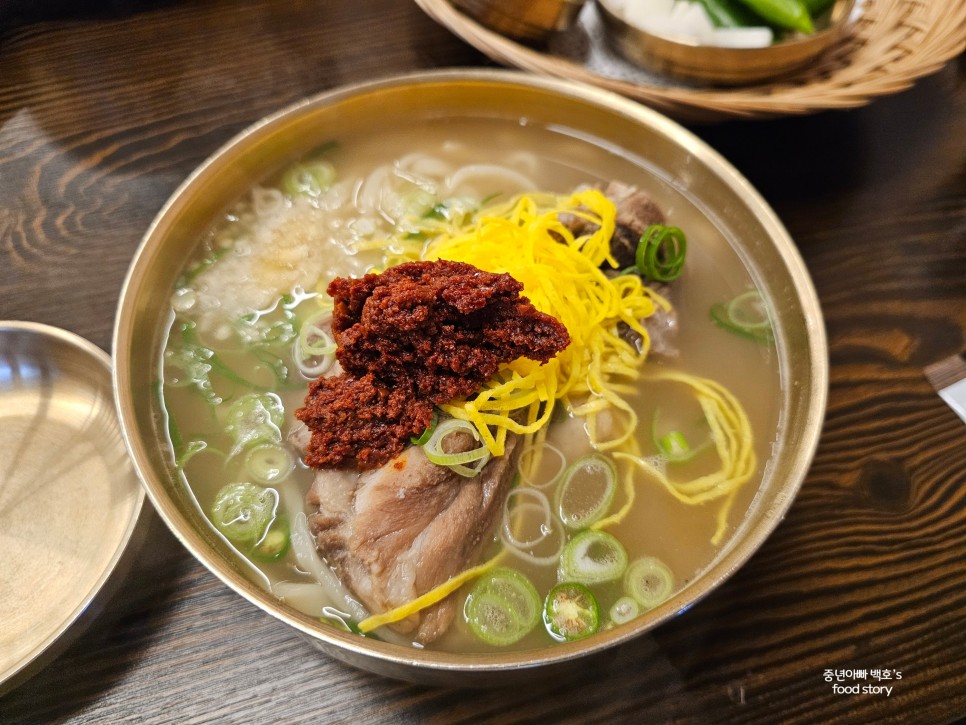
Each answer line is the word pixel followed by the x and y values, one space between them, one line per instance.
pixel 470 400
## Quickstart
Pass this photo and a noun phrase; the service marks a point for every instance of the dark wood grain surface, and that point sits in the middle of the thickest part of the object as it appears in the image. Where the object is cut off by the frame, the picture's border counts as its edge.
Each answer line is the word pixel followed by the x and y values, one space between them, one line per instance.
pixel 105 107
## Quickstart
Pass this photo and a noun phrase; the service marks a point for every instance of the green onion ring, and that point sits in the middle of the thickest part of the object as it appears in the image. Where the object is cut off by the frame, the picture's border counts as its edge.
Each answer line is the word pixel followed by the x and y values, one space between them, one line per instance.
pixel 661 252
pixel 311 328
pixel 454 461
pixel 424 437
pixel 741 304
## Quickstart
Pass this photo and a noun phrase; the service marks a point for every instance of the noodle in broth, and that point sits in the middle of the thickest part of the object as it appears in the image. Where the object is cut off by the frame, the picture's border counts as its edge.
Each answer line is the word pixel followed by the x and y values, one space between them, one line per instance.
pixel 362 205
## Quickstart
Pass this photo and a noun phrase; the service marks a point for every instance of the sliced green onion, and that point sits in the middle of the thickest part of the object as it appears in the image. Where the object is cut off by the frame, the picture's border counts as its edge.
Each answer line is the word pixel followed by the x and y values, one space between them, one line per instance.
pixel 455 210
pixel 624 610
pixel 275 543
pixel 661 252
pixel 649 581
pixel 536 539
pixel 187 453
pixel 424 437
pixel 537 469
pixel 586 491
pixel 592 557
pixel 198 364
pixel 437 211
pixel 419 203
pixel 542 506
pixel 748 310
pixel 502 607
pixel 201 266
pixel 490 197
pixel 673 446
pixel 254 418
pixel 314 336
pixel 433 449
pixel 190 450
pixel 279 370
pixel 314 351
pixel 470 471
pixel 308 178
pixel 340 623
pixel 745 315
pixel 571 612
pixel 190 338
pixel 269 463
pixel 263 329
pixel 243 512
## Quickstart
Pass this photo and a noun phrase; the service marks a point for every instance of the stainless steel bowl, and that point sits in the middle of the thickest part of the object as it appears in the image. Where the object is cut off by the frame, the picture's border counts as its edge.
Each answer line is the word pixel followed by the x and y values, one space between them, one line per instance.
pixel 69 500
pixel 613 124
pixel 531 20
pixel 690 60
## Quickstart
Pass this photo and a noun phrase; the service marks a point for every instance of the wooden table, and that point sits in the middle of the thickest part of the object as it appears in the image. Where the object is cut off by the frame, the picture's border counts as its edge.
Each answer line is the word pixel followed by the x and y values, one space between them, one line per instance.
pixel 106 107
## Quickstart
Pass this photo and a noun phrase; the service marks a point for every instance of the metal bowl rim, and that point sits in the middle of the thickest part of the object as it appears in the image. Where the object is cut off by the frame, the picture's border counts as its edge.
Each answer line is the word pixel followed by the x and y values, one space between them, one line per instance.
pixel 711 578
pixel 126 544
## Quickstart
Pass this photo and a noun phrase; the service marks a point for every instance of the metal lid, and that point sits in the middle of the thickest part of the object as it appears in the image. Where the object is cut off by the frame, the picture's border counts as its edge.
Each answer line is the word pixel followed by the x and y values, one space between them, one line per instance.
pixel 69 498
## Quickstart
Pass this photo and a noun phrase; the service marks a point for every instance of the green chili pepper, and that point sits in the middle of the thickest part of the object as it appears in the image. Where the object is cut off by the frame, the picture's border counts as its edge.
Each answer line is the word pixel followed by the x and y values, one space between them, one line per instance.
pixel 571 612
pixel 817 6
pixel 729 14
pixel 243 512
pixel 275 543
pixel 790 14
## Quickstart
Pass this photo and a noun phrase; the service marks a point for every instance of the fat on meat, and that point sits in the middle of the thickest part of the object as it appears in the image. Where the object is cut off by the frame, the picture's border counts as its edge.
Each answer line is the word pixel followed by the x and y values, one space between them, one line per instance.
pixel 394 533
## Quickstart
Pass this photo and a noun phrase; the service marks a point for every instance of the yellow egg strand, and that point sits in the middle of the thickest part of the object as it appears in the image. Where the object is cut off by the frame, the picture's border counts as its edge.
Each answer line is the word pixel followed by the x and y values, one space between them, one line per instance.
pixel 561 276
pixel 434 595
pixel 733 439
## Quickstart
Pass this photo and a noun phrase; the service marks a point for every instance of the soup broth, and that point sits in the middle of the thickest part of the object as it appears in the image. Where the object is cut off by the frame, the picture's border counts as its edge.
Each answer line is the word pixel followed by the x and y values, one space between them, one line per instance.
pixel 261 273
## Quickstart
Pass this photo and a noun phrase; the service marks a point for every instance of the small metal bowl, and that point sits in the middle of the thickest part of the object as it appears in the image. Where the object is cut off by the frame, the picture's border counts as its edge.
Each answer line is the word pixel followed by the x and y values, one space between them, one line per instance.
pixel 69 499
pixel 611 125
pixel 532 20
pixel 689 60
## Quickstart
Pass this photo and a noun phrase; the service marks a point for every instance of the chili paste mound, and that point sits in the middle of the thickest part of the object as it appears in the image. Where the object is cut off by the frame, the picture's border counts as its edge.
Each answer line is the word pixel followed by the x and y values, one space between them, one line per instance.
pixel 417 335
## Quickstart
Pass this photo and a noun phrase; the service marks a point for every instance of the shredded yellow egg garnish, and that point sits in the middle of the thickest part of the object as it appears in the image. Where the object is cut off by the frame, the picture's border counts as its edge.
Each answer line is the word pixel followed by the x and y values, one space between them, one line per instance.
pixel 733 438
pixel 561 276
pixel 434 595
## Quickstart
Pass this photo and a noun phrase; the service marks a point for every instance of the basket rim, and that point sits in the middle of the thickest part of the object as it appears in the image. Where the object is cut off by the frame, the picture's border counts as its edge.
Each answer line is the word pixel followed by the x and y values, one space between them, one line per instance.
pixel 890 45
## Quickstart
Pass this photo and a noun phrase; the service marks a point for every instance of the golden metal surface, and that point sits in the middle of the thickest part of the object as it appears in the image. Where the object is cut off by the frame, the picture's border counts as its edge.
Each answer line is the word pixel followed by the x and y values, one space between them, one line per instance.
pixel 617 125
pixel 532 20
pixel 69 499
pixel 688 59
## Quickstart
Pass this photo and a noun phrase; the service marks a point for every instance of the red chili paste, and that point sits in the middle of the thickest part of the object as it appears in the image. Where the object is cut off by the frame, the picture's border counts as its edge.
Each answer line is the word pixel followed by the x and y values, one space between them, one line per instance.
pixel 417 335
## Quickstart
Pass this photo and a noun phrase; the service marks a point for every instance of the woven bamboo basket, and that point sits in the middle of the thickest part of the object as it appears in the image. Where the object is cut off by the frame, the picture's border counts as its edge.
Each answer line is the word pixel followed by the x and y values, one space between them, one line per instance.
pixel 890 45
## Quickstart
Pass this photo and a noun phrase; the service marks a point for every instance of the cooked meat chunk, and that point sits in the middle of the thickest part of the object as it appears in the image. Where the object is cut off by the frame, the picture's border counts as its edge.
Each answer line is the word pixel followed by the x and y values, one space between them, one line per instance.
pixel 415 336
pixel 662 327
pixel 396 532
pixel 636 211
